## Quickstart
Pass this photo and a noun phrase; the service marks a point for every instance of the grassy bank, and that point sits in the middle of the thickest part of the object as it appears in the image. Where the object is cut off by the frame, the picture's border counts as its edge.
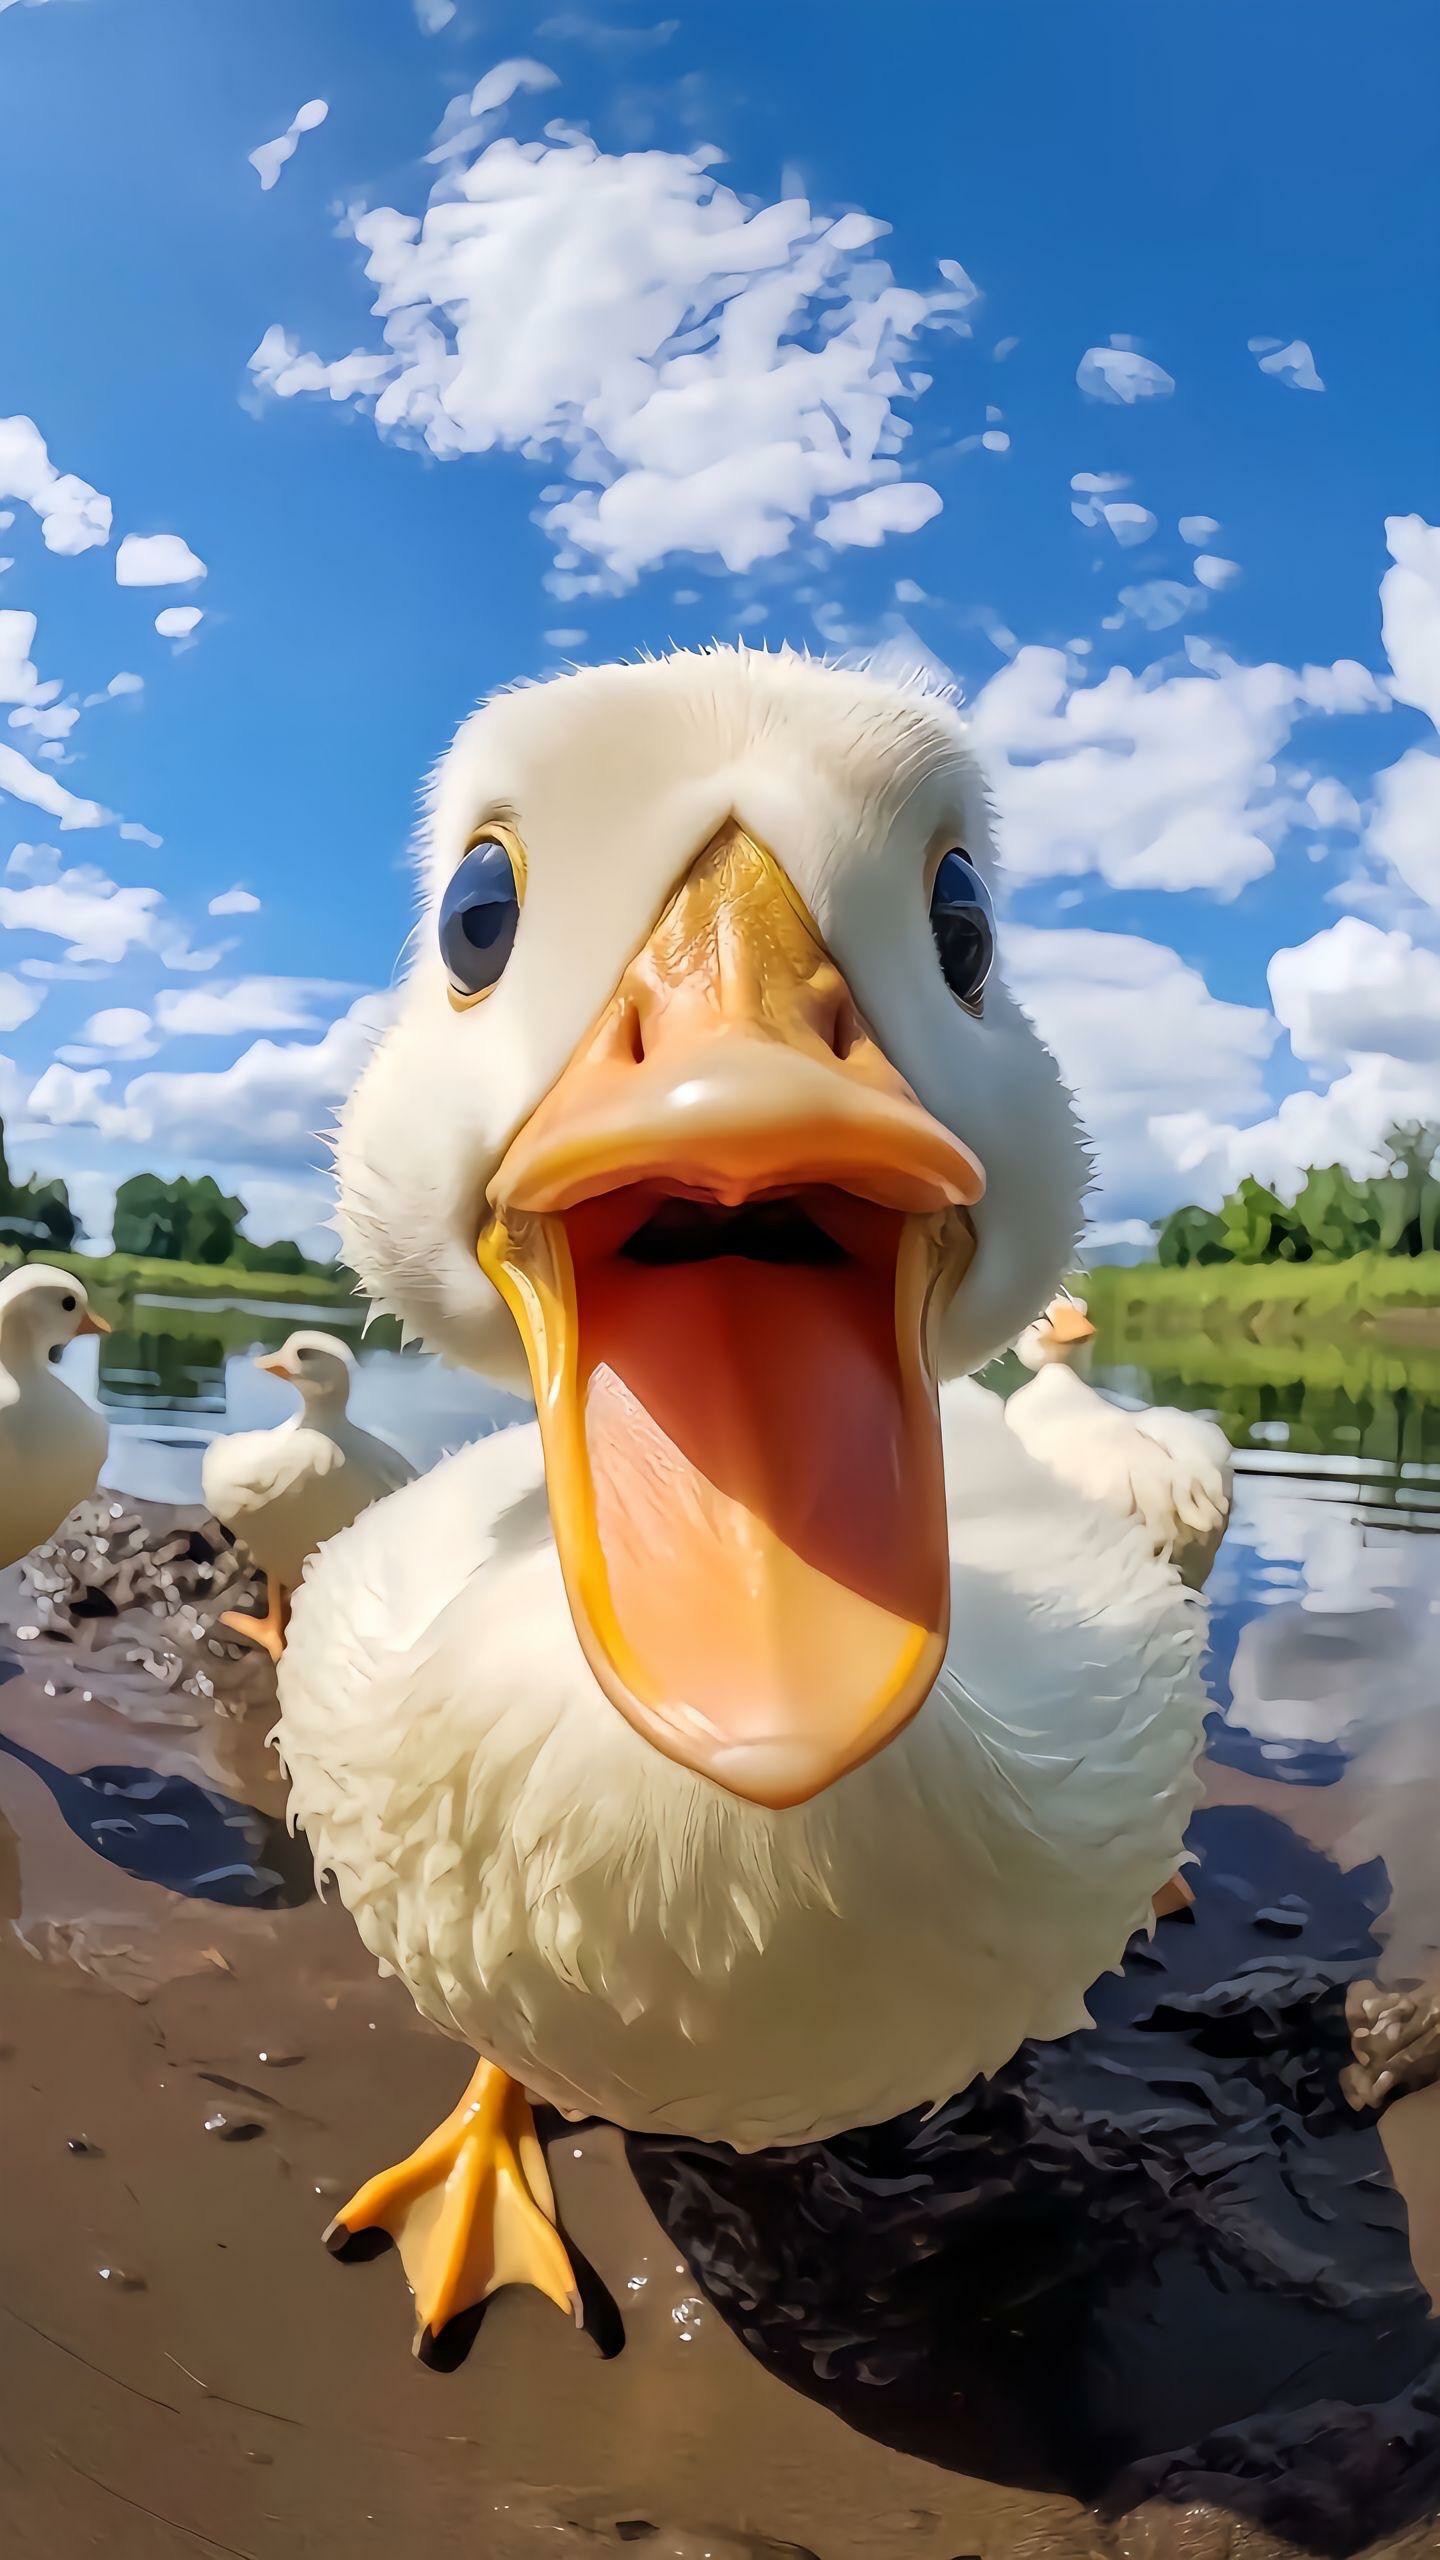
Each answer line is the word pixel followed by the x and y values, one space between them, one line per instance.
pixel 119 1278
pixel 1382 1295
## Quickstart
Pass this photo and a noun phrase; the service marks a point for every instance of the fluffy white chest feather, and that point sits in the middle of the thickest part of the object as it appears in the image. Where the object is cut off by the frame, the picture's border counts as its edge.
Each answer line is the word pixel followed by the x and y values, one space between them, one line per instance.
pixel 623 1936
pixel 52 1447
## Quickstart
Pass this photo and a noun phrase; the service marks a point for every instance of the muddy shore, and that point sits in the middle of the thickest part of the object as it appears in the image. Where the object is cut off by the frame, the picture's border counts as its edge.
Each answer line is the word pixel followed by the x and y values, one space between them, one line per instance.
pixel 197 2062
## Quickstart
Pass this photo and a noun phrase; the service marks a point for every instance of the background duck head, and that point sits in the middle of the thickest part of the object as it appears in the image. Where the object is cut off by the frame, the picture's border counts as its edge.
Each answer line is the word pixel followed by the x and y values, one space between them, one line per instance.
pixel 708 1110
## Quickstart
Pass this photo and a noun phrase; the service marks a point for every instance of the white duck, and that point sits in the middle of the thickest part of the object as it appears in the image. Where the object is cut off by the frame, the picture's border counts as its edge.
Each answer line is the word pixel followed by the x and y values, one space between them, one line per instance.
pixel 283 1492
pixel 762 1744
pixel 52 1443
pixel 1171 1473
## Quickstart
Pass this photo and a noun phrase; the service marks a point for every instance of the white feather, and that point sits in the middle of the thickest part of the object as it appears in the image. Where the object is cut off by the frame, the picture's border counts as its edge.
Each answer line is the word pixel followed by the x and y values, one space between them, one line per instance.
pixel 1167 1471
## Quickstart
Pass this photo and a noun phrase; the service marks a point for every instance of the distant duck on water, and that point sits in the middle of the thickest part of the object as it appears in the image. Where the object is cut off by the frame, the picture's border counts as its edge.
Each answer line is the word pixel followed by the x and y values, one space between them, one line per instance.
pixel 52 1443
pixel 1169 1472
pixel 284 1492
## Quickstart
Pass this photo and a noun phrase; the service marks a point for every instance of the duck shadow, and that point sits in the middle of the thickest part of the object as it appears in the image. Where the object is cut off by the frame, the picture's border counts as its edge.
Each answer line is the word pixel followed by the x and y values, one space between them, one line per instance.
pixel 1160 2259
pixel 170 1831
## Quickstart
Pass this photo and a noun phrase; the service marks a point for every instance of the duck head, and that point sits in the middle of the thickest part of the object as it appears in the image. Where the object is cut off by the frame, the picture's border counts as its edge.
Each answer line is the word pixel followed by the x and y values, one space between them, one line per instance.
pixel 317 1364
pixel 706 1102
pixel 1057 1337
pixel 41 1310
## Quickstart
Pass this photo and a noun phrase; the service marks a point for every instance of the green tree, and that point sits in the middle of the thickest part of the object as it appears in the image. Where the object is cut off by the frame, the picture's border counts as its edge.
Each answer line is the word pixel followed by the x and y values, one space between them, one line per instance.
pixel 1192 1235
pixel 1336 1214
pixel 34 1214
pixel 1256 1226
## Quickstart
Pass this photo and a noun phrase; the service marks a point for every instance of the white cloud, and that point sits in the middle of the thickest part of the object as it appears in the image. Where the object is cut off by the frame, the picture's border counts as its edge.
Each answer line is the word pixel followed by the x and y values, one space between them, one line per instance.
pixel 1331 805
pixel 714 377
pixel 1121 376
pixel 1214 572
pixel 234 902
pixel 96 919
pixel 1293 365
pixel 156 560
pixel 76 1098
pixel 1154 781
pixel 1160 602
pixel 17 1002
pixel 246 1004
pixel 900 506
pixel 1410 612
pixel 1198 530
pixel 270 157
pixel 1354 989
pixel 122 1029
pixel 1128 522
pixel 41 791
pixel 1088 992
pixel 177 621
pixel 73 516
pixel 432 15
pixel 1404 828
pixel 266 1108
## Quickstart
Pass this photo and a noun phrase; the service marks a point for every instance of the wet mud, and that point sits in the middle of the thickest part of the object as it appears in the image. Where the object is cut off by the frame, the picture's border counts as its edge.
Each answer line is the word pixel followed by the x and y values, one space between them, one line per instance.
pixel 1157 2293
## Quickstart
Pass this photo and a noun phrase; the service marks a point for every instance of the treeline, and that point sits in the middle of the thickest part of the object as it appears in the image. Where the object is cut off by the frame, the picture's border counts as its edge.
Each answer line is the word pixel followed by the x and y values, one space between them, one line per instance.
pixel 34 1214
pixel 187 1220
pixel 1334 1214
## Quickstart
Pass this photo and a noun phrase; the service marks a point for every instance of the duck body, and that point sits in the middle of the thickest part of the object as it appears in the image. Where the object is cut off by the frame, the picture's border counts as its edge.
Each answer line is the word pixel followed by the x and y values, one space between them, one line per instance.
pixel 764 1745
pixel 623 1936
pixel 52 1443
pixel 284 1492
pixel 1167 1472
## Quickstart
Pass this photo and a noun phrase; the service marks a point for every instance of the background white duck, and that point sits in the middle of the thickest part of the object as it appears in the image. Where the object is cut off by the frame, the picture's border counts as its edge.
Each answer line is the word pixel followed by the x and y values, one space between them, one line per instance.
pixel 1170 1472
pixel 761 1744
pixel 283 1492
pixel 52 1443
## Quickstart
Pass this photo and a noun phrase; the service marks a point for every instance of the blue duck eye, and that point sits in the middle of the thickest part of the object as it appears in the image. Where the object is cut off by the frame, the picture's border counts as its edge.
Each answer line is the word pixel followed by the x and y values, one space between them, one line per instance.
pixel 478 916
pixel 962 920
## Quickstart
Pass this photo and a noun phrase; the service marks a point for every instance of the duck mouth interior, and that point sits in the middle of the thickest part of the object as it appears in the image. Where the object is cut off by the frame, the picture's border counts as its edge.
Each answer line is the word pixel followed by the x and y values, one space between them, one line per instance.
pixel 781 1229
pixel 743 1438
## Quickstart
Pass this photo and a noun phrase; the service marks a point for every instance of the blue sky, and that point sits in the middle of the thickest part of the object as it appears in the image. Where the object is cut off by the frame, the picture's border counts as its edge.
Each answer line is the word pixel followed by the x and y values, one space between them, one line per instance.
pixel 1211 741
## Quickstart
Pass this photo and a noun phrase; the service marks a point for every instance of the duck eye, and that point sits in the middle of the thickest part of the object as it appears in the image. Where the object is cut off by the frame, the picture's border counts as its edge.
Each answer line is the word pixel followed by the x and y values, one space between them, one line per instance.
pixel 478 916
pixel 962 920
pixel 68 1303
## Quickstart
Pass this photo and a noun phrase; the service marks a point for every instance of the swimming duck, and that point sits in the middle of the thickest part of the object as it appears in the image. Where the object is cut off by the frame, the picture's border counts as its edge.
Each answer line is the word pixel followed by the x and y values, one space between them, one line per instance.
pixel 760 1743
pixel 1171 1473
pixel 284 1492
pixel 52 1443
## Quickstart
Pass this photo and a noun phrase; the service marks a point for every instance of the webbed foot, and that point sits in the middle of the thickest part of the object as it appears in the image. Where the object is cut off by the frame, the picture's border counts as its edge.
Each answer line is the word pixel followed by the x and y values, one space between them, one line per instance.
pixel 471 2210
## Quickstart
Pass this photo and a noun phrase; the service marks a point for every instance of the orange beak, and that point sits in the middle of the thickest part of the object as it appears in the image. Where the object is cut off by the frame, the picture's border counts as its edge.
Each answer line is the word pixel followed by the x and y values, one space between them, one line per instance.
pixel 1069 1323
pixel 727 1235
pixel 91 1323
pixel 277 1367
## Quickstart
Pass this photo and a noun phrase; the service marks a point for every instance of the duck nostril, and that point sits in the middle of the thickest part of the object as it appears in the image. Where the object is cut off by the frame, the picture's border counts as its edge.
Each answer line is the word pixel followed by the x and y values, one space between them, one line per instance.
pixel 632 1035
pixel 844 1028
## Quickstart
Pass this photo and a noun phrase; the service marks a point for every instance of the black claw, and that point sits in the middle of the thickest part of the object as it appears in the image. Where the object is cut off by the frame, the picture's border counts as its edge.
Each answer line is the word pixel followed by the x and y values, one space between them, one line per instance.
pixel 354 2248
pixel 445 2350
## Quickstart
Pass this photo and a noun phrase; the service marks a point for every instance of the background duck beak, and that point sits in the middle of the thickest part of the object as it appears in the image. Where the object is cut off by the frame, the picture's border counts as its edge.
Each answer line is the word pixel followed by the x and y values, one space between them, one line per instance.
pixel 726 1235
pixel 277 1367
pixel 1069 1323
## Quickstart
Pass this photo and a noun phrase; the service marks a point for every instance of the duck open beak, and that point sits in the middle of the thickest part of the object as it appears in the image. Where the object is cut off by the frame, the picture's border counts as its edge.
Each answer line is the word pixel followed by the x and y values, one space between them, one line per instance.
pixel 727 1235
pixel 278 1368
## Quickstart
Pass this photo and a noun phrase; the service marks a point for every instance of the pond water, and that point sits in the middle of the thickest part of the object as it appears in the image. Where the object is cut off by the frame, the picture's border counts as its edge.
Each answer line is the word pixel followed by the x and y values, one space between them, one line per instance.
pixel 172 1375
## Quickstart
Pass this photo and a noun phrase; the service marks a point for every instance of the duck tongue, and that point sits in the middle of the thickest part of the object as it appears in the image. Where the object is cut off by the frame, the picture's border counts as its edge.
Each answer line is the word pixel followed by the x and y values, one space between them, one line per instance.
pixel 757 1563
